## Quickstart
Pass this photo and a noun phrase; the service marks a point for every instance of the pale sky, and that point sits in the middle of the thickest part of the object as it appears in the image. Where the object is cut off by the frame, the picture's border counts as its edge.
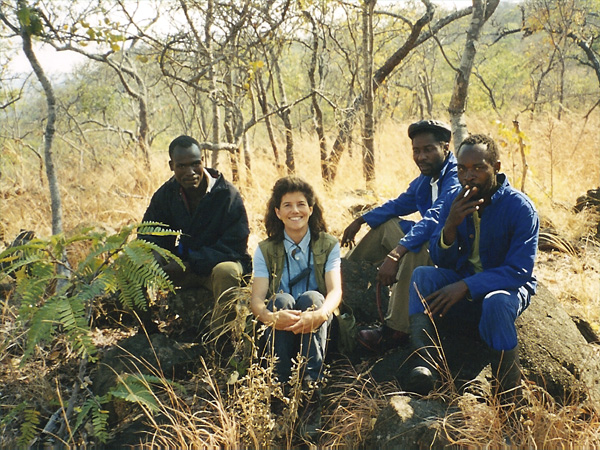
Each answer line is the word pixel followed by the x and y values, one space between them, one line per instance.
pixel 57 63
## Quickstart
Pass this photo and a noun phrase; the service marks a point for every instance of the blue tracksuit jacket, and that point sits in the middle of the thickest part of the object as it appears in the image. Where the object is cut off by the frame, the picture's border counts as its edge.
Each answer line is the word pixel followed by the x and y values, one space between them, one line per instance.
pixel 508 241
pixel 417 198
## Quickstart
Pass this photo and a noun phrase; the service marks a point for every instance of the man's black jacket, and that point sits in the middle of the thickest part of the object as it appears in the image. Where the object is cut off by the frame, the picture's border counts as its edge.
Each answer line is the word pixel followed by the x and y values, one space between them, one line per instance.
pixel 215 232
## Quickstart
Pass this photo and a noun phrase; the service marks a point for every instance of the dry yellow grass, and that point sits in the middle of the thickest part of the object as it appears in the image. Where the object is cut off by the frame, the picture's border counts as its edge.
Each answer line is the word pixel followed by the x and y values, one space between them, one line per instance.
pixel 116 194
pixel 564 162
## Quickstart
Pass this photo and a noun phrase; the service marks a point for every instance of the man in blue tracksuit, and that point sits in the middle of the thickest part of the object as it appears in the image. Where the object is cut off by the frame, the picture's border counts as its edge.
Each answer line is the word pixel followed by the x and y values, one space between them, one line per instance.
pixel 402 244
pixel 484 248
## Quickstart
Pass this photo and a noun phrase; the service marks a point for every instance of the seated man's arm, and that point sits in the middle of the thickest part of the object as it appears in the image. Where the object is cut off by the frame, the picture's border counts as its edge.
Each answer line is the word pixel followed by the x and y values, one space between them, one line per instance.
pixel 423 230
pixel 516 268
pixel 404 204
pixel 231 243
pixel 159 211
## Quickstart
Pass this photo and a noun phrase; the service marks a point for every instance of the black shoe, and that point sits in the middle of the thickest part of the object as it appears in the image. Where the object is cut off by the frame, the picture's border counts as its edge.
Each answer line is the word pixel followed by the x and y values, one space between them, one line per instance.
pixel 381 339
pixel 421 380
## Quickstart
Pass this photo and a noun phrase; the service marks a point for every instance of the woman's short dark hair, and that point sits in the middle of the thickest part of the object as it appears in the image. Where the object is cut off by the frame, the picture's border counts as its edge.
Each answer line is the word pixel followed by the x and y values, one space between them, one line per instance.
pixel 493 154
pixel 274 226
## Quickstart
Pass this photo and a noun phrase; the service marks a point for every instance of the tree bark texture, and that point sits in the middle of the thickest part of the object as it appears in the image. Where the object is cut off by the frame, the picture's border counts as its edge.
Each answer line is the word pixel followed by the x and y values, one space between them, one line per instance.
pixel 316 108
pixel 369 124
pixel 380 75
pixel 55 198
pixel 285 117
pixel 264 106
pixel 212 75
pixel 482 10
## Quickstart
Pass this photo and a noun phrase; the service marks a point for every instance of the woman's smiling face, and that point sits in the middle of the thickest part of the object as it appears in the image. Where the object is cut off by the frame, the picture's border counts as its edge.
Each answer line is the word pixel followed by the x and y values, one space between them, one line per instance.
pixel 294 212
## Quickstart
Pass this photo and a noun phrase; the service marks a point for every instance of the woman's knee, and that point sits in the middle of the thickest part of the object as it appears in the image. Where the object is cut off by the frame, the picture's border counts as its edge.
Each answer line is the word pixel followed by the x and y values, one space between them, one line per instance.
pixel 309 299
pixel 281 301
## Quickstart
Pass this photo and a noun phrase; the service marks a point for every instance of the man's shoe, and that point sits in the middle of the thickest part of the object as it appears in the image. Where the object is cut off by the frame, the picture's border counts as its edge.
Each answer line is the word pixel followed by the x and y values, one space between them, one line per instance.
pixel 422 380
pixel 381 339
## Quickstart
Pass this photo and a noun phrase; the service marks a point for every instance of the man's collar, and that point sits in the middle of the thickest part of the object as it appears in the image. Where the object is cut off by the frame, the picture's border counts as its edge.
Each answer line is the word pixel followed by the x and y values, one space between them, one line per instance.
pixel 503 183
pixel 449 162
pixel 211 180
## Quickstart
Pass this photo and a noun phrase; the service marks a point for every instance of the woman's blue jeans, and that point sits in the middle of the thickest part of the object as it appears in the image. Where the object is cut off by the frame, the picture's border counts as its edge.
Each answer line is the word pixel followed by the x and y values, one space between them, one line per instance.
pixel 287 345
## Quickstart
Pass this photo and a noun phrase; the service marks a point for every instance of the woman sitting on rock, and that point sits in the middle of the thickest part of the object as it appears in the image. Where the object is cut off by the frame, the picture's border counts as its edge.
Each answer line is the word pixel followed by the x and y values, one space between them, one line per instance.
pixel 297 282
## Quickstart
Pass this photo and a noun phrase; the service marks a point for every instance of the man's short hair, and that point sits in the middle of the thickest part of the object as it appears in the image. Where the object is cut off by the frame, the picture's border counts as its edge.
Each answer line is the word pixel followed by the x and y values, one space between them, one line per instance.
pixel 182 141
pixel 440 130
pixel 493 154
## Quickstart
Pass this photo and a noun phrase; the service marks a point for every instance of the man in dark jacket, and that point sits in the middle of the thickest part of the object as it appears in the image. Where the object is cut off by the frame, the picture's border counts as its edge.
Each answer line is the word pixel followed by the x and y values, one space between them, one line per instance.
pixel 402 244
pixel 210 214
pixel 484 248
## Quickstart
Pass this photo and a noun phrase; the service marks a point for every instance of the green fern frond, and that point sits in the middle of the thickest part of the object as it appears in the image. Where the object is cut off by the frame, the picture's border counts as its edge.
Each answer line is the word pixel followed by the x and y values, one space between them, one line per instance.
pixel 103 284
pixel 114 263
pixel 155 229
pixel 68 312
pixel 108 280
pixel 92 408
pixel 83 412
pixel 137 270
pixel 31 292
pixel 100 424
pixel 136 389
pixel 131 293
pixel 41 327
pixel 71 315
pixel 11 415
pixel 29 427
pixel 33 245
pixel 161 251
pixel 15 261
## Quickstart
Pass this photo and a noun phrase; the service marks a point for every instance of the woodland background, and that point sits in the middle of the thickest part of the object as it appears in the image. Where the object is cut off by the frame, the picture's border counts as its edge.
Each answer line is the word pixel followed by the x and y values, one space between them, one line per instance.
pixel 323 89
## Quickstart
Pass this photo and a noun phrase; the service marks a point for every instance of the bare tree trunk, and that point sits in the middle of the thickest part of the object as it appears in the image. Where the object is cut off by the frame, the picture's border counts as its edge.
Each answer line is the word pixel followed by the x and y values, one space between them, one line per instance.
pixel 561 88
pixel 482 10
pixel 144 130
pixel 247 160
pixel 55 199
pixel 589 52
pixel 538 85
pixel 262 100
pixel 212 75
pixel 380 75
pixel 316 108
pixel 285 117
pixel 369 125
pixel 426 86
pixel 229 126
pixel 522 152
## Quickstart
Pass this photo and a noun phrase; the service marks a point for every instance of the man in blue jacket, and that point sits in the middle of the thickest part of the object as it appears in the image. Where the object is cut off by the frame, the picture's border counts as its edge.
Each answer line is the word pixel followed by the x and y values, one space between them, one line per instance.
pixel 210 213
pixel 484 248
pixel 402 244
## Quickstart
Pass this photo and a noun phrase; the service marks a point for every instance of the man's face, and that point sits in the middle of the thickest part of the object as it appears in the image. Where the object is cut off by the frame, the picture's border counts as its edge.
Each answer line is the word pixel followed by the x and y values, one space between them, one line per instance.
pixel 474 170
pixel 429 154
pixel 186 164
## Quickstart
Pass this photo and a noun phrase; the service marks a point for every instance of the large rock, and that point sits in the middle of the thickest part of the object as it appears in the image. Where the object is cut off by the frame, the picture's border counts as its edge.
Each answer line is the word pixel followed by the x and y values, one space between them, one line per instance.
pixel 140 354
pixel 555 354
pixel 408 423
pixel 360 290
